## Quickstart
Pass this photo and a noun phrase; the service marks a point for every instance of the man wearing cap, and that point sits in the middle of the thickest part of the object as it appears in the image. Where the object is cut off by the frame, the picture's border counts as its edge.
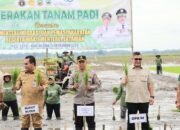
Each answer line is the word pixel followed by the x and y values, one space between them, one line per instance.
pixel 32 93
pixel 63 67
pixel 84 82
pixel 122 28
pixel 52 99
pixel 158 64
pixel 9 98
pixel 65 57
pixel 104 32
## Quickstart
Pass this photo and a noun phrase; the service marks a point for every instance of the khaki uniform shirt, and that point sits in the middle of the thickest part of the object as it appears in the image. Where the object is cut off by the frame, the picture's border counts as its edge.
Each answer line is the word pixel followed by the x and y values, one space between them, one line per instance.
pixel 29 90
pixel 138 86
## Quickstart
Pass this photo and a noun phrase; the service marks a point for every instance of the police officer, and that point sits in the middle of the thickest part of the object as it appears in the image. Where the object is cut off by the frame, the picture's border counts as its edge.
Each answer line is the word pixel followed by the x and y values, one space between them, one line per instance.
pixel 122 28
pixel 31 92
pixel 84 82
pixel 104 32
pixel 140 90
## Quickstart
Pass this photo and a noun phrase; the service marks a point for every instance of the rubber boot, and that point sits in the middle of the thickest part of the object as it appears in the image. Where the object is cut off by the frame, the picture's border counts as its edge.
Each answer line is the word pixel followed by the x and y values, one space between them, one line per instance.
pixel 24 128
pixel 37 128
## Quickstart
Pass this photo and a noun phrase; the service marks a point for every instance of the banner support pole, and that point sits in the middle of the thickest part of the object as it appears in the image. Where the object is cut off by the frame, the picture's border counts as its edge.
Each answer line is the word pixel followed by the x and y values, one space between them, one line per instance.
pixel 132 40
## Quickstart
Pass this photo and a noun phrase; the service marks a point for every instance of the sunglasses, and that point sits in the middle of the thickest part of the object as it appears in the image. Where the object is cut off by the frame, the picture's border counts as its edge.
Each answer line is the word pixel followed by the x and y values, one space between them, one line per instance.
pixel 81 61
pixel 138 59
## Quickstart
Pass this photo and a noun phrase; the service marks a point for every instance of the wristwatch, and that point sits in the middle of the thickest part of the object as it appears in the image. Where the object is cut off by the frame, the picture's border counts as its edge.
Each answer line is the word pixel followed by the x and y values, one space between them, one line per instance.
pixel 152 97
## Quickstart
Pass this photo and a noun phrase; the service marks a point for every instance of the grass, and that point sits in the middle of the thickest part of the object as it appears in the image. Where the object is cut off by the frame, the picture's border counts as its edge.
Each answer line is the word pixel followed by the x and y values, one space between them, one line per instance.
pixel 147 59
pixel 7 65
pixel 171 69
pixel 176 110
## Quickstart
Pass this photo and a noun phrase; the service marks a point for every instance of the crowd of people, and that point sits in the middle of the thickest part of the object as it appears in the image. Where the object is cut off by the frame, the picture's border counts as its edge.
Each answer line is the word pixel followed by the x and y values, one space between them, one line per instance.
pixel 136 92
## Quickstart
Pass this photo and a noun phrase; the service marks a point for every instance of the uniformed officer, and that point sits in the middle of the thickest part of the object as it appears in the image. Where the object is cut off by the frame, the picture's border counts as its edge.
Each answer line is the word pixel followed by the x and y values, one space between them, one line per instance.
pixel 122 28
pixel 140 90
pixel 84 82
pixel 158 64
pixel 178 94
pixel 104 32
pixel 31 92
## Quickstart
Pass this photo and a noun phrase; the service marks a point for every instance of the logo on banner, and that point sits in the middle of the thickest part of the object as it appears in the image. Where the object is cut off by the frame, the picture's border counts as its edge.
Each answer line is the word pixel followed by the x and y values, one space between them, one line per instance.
pixel 21 3
pixel 44 3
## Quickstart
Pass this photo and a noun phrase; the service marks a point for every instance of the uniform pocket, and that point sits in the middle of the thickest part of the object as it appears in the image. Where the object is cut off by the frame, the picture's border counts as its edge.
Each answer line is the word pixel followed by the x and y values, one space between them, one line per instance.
pixel 143 78
pixel 131 78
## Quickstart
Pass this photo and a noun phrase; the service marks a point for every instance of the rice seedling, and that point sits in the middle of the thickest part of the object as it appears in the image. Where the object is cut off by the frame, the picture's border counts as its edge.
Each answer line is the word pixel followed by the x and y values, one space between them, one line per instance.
pixel 15 74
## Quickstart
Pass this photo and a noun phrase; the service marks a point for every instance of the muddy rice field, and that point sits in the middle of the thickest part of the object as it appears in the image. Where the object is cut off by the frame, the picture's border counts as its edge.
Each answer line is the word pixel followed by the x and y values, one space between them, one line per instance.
pixel 165 96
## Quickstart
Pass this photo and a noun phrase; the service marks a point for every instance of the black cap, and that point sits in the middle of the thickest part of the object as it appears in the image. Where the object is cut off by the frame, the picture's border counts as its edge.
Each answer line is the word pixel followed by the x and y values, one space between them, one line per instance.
pixel 81 58
pixel 65 52
pixel 121 12
pixel 106 15
pixel 158 56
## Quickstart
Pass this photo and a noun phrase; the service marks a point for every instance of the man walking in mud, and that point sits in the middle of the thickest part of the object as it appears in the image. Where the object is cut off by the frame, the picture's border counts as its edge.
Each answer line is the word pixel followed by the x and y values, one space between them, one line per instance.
pixel 32 94
pixel 139 90
pixel 84 82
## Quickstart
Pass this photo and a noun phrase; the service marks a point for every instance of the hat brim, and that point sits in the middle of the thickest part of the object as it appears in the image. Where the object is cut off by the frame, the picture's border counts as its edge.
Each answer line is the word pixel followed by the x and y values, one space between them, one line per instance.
pixel 106 17
pixel 7 75
pixel 81 60
pixel 65 52
pixel 51 78
pixel 121 15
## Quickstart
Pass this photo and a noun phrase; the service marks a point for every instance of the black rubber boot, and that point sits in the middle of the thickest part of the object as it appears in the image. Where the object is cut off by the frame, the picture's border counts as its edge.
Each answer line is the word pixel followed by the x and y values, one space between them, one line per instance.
pixel 37 128
pixel 4 118
pixel 24 128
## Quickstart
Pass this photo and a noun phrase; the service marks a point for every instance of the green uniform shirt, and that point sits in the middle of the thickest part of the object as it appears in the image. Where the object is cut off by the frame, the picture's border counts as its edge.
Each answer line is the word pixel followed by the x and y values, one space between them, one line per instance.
pixel 8 93
pixel 52 94
pixel 158 61
pixel 179 80
pixel 122 95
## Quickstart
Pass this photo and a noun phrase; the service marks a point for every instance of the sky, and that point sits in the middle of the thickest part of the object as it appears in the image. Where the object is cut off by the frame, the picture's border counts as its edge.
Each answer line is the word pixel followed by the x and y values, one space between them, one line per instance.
pixel 156 24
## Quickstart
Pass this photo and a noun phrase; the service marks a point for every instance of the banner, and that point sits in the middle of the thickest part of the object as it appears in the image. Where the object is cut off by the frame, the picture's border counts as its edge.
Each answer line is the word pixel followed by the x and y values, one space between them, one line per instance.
pixel 65 24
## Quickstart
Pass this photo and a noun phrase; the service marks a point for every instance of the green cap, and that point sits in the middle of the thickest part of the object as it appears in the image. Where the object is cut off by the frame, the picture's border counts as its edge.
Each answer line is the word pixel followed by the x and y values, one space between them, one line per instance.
pixel 51 77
